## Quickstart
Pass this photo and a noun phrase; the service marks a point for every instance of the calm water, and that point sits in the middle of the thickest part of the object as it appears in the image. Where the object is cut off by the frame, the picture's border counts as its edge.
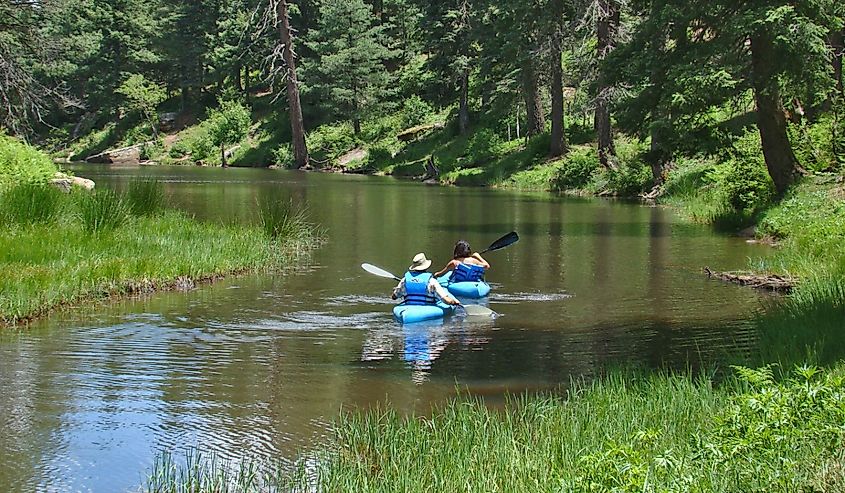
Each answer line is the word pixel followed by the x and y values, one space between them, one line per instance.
pixel 260 365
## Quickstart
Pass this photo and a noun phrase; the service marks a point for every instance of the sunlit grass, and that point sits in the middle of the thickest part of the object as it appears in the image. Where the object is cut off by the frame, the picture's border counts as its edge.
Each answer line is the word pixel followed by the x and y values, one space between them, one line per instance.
pixel 96 248
pixel 625 432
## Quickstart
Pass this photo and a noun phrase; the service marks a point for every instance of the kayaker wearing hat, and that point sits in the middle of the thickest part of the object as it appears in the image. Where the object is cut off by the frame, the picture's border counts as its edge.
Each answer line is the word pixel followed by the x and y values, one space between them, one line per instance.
pixel 419 287
pixel 467 266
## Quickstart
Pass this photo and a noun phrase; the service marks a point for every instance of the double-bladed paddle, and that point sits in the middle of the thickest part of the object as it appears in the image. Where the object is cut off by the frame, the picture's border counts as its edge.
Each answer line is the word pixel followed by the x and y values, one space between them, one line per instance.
pixel 471 310
pixel 507 240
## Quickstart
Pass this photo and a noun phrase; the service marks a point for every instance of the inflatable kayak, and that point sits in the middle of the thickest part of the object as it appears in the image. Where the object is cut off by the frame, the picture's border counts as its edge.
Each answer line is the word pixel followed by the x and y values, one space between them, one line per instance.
pixel 466 289
pixel 417 313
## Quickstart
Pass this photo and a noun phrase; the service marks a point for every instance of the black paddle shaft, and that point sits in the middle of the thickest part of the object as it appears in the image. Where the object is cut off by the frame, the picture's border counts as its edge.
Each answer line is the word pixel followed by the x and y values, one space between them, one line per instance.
pixel 507 240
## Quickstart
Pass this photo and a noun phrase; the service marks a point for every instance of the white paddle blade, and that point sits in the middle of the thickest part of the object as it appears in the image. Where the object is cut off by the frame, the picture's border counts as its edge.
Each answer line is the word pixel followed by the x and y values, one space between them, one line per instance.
pixel 478 311
pixel 376 271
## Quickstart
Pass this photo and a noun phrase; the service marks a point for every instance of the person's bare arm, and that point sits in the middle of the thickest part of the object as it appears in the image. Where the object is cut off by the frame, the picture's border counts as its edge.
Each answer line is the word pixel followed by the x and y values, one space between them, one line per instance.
pixel 449 266
pixel 442 293
pixel 397 291
pixel 484 263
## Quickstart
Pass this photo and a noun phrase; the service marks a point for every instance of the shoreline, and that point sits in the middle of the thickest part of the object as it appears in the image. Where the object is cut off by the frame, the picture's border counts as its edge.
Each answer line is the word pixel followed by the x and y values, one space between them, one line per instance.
pixel 132 289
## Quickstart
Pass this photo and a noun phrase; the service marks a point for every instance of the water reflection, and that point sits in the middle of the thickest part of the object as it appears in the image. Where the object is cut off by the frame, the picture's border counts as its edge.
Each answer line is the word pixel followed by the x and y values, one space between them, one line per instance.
pixel 419 345
pixel 260 365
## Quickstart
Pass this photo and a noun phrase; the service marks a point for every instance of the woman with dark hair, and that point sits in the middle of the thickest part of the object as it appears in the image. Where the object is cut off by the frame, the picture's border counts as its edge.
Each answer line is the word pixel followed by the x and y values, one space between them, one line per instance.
pixel 465 265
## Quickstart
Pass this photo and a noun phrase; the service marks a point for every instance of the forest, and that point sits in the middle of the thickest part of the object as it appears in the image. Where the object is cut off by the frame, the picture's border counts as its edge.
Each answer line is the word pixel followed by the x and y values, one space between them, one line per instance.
pixel 301 83
pixel 637 371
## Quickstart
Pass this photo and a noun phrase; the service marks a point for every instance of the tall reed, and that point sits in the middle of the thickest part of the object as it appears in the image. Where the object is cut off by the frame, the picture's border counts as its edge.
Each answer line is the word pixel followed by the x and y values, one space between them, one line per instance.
pixel 102 211
pixel 30 203
pixel 625 433
pixel 146 197
pixel 280 219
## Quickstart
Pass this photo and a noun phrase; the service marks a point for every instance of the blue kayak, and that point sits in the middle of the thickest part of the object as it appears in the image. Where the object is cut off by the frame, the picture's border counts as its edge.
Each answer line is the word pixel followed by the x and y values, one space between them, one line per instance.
pixel 467 289
pixel 408 314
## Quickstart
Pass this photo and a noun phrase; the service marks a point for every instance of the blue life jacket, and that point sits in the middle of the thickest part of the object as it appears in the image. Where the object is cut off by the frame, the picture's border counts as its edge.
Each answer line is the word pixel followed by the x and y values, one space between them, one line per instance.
pixel 416 289
pixel 467 273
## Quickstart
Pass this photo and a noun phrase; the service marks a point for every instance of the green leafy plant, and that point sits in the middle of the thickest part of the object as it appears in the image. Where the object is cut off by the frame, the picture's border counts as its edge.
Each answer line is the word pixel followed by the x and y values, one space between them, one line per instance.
pixel 283 156
pixel 144 96
pixel 576 171
pixel 228 125
pixel 483 146
pixel 415 111
pixel 22 163
pixel 379 156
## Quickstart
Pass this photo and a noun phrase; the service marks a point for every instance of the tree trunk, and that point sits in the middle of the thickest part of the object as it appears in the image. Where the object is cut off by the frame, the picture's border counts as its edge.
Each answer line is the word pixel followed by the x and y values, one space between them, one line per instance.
pixel 558 140
pixel 236 75
pixel 297 125
pixel 607 25
pixel 771 121
pixel 463 111
pixel 247 84
pixel 223 156
pixel 837 43
pixel 356 123
pixel 660 156
pixel 535 121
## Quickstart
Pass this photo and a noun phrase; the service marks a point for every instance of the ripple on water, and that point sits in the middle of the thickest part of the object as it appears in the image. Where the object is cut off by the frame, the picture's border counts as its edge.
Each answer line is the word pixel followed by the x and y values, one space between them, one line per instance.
pixel 528 297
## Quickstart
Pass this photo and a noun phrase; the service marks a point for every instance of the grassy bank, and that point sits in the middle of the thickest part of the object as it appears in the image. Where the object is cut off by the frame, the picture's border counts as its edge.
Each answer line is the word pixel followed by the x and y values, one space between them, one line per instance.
pixel 623 433
pixel 60 249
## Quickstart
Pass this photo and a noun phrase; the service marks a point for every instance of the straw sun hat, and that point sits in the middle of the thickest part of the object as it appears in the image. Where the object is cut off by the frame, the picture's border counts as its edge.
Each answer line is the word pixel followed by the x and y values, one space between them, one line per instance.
pixel 420 262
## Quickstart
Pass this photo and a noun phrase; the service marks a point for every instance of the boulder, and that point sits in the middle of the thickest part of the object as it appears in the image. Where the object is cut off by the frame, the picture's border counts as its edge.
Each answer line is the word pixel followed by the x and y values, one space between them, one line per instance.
pixel 131 154
pixel 66 182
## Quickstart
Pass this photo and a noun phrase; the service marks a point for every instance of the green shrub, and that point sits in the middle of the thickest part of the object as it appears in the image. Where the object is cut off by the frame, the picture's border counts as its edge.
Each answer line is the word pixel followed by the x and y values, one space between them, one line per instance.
pixel 386 126
pixel 30 203
pixel 633 175
pixel 146 197
pixel 22 163
pixel 102 211
pixel 576 170
pixel 283 156
pixel 201 147
pixel 229 124
pixel 330 141
pixel 415 111
pixel 630 179
pixel 814 144
pixel 379 156
pixel 745 180
pixel 483 146
pixel 151 150
pixel 179 149
pixel 747 184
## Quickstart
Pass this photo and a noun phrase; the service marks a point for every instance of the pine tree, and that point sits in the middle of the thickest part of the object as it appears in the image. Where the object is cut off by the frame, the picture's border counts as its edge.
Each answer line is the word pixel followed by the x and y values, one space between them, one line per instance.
pixel 352 54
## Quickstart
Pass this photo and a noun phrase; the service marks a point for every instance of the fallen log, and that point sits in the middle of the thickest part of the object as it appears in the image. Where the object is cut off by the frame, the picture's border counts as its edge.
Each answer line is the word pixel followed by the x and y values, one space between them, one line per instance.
pixel 771 282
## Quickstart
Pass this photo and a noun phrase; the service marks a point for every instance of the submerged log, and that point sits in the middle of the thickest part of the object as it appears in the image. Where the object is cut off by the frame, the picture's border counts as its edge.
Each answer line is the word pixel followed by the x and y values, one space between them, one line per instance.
pixel 772 282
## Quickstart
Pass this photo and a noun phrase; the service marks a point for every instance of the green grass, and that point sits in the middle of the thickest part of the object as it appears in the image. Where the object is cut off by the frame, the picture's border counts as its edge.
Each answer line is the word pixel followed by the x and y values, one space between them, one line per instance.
pixel 625 432
pixel 45 266
pixel 30 203
pixel 281 219
pixel 102 211
pixel 146 197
